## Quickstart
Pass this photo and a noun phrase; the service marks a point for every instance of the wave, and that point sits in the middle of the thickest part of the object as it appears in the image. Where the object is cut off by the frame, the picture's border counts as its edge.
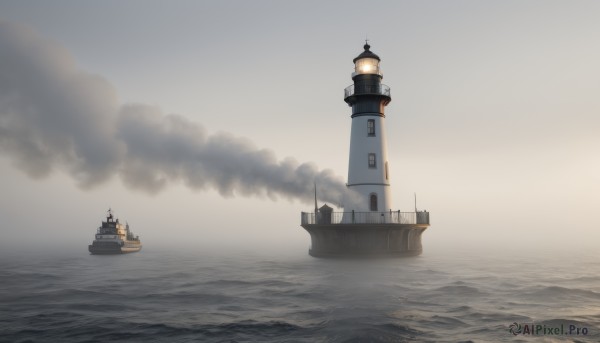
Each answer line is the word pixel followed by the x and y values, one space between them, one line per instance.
pixel 556 293
pixel 389 332
pixel 458 290
pixel 264 283
pixel 110 330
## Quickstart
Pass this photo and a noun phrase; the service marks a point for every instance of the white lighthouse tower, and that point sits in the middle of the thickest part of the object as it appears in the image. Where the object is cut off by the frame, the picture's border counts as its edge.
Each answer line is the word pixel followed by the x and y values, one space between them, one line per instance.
pixel 368 169
pixel 369 225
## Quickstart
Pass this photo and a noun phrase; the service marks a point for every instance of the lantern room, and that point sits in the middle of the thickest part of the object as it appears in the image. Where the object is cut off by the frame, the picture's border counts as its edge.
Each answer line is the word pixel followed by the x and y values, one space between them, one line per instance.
pixel 366 63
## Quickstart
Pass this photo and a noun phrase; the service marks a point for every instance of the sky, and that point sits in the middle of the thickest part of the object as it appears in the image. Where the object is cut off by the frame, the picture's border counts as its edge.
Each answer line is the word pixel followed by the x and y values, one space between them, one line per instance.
pixel 493 123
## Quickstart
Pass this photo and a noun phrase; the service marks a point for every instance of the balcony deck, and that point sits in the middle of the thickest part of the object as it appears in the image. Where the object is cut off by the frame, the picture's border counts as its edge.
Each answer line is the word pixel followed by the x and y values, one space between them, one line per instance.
pixel 367 89
pixel 362 218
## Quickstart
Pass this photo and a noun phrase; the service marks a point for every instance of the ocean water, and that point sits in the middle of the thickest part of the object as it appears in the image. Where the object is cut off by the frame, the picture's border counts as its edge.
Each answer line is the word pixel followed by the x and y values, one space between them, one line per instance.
pixel 162 296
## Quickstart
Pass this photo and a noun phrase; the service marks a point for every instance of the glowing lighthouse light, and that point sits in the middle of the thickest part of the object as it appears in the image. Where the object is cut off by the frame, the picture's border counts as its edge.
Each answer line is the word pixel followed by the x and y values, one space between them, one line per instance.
pixel 367 66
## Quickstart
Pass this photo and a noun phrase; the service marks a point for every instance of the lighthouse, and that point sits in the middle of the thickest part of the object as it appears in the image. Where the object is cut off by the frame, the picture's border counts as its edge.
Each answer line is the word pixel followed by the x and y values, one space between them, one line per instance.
pixel 368 167
pixel 369 224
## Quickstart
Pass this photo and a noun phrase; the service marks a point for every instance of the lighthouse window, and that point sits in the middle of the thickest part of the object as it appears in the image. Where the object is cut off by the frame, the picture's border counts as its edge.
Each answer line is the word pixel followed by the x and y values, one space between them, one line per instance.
pixel 371 127
pixel 373 202
pixel 386 171
pixel 372 161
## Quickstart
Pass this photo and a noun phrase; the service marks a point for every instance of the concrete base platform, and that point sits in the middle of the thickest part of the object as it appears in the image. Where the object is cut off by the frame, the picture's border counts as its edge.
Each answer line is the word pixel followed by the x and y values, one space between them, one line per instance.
pixel 365 240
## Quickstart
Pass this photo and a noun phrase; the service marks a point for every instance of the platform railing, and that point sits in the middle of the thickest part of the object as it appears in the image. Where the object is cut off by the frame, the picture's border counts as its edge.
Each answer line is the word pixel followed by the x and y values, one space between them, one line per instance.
pixel 367 89
pixel 388 217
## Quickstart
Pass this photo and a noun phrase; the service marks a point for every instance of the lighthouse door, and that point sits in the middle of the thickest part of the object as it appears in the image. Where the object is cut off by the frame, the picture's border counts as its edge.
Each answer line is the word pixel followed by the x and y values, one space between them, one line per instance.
pixel 373 202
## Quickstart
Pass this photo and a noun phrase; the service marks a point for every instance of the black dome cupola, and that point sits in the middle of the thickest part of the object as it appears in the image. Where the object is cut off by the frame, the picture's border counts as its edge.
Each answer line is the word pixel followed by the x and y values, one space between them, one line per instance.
pixel 366 54
pixel 367 95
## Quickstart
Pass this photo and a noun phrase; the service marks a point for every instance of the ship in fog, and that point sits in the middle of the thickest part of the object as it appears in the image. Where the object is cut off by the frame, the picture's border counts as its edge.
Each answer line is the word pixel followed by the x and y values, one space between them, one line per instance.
pixel 114 238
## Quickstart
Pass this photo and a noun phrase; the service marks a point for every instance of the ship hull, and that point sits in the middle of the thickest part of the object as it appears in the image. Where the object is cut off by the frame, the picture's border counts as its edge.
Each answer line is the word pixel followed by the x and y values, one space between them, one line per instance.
pixel 112 249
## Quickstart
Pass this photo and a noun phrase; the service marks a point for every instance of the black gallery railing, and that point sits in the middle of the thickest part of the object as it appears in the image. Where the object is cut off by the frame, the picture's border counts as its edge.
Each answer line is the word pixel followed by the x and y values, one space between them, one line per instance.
pixel 366 89
pixel 391 217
